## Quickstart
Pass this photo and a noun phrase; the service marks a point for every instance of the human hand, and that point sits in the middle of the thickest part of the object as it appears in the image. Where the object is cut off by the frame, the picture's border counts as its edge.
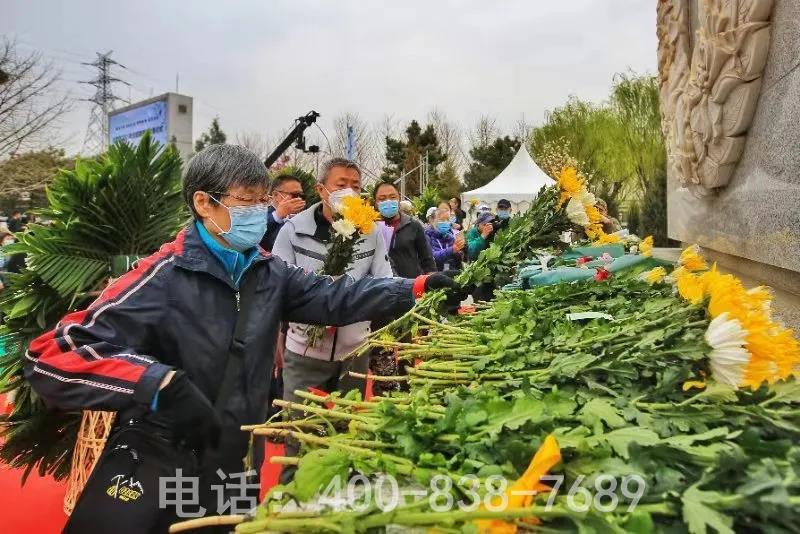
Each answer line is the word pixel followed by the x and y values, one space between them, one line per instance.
pixel 189 411
pixel 458 244
pixel 454 292
pixel 487 230
pixel 289 206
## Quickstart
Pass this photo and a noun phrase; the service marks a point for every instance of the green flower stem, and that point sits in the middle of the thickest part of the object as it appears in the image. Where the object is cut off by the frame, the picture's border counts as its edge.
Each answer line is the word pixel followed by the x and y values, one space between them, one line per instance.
pixel 289 525
pixel 322 411
pixel 404 466
pixel 321 399
pixel 455 329
pixel 284 424
pixel 379 378
pixel 399 517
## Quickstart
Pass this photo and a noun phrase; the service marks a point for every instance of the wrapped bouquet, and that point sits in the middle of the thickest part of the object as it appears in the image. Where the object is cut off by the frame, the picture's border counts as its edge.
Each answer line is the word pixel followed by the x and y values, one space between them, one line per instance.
pixel 352 222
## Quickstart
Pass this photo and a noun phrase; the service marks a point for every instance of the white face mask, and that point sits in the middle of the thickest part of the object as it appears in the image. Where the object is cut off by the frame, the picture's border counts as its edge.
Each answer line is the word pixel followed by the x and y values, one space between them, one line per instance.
pixel 336 198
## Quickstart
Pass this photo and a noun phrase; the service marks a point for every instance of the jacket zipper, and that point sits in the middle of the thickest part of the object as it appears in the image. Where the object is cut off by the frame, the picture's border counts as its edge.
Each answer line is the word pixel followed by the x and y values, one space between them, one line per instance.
pixel 333 346
pixel 237 301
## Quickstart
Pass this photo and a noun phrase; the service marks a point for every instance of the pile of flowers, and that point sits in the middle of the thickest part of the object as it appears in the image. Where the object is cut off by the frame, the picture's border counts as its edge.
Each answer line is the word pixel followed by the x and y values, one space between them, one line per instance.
pixel 582 210
pixel 748 347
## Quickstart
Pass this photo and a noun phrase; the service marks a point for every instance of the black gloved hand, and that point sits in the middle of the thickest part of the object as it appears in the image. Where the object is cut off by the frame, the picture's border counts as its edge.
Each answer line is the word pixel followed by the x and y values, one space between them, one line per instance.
pixel 189 411
pixel 453 290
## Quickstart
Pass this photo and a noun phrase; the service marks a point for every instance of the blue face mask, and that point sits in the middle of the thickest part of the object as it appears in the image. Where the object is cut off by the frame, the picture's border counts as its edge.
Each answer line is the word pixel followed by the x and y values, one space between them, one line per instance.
pixel 248 224
pixel 444 227
pixel 503 214
pixel 388 208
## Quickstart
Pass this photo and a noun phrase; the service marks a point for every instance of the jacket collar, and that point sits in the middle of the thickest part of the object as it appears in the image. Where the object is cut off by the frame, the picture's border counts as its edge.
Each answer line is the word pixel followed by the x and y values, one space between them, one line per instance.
pixel 405 220
pixel 430 231
pixel 194 255
pixel 304 222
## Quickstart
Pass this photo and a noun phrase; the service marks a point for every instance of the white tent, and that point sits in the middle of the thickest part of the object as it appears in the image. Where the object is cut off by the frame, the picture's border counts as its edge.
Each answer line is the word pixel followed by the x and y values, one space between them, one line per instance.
pixel 518 183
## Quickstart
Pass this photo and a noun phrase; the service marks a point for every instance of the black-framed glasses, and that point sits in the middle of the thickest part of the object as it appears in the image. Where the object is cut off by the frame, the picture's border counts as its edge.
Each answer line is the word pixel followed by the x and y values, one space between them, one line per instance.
pixel 260 200
pixel 301 195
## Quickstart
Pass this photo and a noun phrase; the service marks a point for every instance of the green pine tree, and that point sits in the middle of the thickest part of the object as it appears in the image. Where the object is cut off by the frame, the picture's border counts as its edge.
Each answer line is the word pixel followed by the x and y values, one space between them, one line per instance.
pixel 404 155
pixel 214 136
pixel 489 160
pixel 446 180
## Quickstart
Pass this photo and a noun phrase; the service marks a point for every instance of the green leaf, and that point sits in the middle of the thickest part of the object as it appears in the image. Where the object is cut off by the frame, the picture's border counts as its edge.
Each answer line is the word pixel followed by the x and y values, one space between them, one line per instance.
pixel 512 415
pixel 699 515
pixel 784 393
pixel 600 409
pixel 22 306
pixel 640 523
pixel 621 438
pixel 316 470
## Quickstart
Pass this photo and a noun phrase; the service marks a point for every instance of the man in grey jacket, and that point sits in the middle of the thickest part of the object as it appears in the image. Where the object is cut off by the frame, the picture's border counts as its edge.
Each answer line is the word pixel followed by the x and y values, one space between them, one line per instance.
pixel 303 242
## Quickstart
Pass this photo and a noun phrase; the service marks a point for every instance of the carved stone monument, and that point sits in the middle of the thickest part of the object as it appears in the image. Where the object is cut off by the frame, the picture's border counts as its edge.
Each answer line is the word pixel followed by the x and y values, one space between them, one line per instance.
pixel 730 100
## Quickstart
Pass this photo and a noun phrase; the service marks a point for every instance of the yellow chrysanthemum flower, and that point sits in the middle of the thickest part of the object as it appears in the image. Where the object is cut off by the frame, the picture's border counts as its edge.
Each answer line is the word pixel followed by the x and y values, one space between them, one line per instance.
pixel 774 353
pixel 654 275
pixel 690 287
pixel 594 231
pixel 692 260
pixel 360 213
pixel 607 239
pixel 569 183
pixel 646 246
pixel 593 213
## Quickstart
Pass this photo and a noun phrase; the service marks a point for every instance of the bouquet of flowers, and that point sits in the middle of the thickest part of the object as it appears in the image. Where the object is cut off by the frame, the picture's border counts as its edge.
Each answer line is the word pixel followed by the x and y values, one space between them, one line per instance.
pixel 582 210
pixel 352 222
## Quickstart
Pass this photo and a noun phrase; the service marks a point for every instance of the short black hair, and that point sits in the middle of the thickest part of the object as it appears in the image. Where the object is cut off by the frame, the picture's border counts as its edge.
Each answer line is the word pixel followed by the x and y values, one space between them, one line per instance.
pixel 282 179
pixel 217 168
pixel 503 204
pixel 381 184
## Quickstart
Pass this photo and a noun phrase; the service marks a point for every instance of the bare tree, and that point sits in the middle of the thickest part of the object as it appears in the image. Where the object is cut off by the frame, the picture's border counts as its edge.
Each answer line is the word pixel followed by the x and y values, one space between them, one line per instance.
pixel 253 141
pixel 484 132
pixel 363 140
pixel 523 130
pixel 450 139
pixel 29 107
pixel 389 126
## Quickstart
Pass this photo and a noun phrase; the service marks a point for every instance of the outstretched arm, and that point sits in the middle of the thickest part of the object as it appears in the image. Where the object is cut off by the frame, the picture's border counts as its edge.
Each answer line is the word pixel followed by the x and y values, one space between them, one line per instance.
pixel 314 299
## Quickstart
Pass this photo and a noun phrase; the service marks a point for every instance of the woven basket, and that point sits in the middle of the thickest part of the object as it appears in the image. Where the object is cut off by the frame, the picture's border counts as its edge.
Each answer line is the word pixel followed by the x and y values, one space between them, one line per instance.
pixel 92 435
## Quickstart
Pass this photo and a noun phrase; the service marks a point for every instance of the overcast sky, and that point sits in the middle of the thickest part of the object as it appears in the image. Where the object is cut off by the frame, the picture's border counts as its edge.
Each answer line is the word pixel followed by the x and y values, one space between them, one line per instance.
pixel 259 64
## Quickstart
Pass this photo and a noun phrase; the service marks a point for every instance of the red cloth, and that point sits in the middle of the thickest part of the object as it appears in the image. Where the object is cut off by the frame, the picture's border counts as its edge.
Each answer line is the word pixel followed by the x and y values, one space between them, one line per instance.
pixel 419 286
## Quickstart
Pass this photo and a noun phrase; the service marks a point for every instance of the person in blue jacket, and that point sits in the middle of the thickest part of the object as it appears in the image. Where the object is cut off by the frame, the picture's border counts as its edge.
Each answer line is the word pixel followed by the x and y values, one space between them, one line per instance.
pixel 447 246
pixel 156 341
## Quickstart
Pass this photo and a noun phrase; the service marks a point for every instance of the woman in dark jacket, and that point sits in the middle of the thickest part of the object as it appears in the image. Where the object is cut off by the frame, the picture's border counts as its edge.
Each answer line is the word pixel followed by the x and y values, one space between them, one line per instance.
pixel 409 252
pixel 458 213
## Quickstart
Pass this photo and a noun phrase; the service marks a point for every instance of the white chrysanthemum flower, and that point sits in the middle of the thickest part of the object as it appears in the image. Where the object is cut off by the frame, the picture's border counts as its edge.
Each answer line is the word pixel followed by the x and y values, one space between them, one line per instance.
pixel 586 197
pixel 576 212
pixel 344 228
pixel 726 337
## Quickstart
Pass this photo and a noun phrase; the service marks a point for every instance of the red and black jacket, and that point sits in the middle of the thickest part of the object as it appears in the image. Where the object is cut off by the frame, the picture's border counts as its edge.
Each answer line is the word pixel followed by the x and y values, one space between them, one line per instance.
pixel 178 309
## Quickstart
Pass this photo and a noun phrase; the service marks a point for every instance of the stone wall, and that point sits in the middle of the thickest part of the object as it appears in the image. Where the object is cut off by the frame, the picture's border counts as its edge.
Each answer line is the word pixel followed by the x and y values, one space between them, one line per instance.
pixel 751 225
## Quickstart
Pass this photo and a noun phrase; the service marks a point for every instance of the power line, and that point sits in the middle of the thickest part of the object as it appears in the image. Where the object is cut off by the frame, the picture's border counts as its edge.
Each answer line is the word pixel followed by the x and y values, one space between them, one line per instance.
pixel 96 139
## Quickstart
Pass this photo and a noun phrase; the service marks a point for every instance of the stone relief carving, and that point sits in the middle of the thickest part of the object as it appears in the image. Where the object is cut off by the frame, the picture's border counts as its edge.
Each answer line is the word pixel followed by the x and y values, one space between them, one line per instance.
pixel 710 80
